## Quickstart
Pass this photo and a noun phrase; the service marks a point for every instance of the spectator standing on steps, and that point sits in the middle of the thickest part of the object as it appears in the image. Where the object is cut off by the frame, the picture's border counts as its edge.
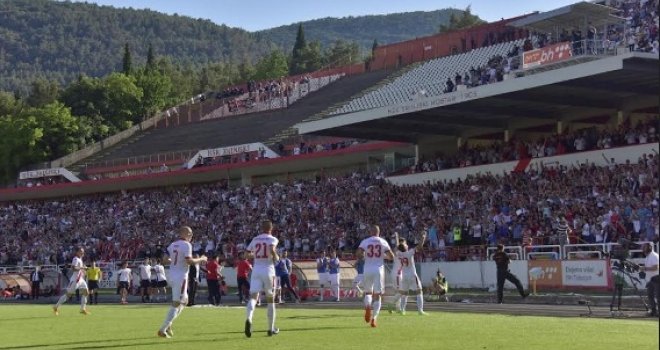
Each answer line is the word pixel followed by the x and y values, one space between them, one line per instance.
pixel 503 274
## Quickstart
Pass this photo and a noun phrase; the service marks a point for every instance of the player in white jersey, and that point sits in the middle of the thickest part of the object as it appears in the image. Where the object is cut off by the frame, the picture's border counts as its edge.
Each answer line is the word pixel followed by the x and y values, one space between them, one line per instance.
pixel 322 271
pixel 161 279
pixel 374 250
pixel 396 280
pixel 334 274
pixel 264 250
pixel 180 258
pixel 77 281
pixel 410 283
pixel 124 282
pixel 145 280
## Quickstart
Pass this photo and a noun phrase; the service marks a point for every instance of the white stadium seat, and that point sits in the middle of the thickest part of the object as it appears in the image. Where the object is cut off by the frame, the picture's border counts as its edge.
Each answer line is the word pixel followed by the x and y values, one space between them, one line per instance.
pixel 426 80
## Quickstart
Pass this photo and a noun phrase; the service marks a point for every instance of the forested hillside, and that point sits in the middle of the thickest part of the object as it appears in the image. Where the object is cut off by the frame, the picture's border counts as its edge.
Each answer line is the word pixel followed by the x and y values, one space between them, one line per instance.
pixel 59 41
pixel 386 29
pixel 74 73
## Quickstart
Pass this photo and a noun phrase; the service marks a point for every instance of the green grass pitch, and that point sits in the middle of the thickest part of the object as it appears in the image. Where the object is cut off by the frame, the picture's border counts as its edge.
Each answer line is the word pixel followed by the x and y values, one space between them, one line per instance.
pixel 134 327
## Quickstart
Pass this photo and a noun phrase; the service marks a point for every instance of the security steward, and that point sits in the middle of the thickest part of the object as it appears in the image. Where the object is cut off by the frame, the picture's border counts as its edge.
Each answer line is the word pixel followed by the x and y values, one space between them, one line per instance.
pixel 503 274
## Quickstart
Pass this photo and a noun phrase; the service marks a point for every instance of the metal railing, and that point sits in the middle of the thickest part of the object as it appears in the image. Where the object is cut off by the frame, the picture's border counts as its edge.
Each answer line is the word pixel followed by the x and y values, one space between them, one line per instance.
pixel 553 250
pixel 543 255
pixel 158 158
pixel 514 252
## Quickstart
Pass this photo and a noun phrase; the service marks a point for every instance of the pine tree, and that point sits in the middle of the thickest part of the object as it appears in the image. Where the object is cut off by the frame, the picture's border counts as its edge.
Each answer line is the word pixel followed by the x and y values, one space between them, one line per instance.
pixel 151 60
pixel 374 46
pixel 127 62
pixel 298 54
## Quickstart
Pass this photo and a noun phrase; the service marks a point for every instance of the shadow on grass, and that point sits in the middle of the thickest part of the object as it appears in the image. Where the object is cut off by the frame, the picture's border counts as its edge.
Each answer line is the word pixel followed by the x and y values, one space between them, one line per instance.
pixel 122 343
pixel 114 343
pixel 62 344
pixel 287 330
pixel 305 317
pixel 23 319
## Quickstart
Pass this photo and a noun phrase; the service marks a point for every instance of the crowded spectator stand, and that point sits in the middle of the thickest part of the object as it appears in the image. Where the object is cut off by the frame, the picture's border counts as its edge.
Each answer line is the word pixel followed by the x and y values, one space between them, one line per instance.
pixel 601 204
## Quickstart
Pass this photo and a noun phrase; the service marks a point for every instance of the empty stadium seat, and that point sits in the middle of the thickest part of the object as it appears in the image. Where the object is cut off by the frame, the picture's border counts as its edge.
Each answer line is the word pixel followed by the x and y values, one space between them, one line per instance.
pixel 428 79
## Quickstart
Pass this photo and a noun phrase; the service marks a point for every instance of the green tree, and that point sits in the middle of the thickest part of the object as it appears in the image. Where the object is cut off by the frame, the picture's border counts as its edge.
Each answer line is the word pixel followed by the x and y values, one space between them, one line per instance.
pixel 184 78
pixel 156 88
pixel 122 101
pixel 61 130
pixel 246 70
pixel 313 57
pixel 341 53
pixel 298 64
pixel 151 58
pixel 85 97
pixel 466 20
pixel 374 46
pixel 217 76
pixel 43 92
pixel 127 61
pixel 273 66
pixel 88 100
pixel 9 105
pixel 18 145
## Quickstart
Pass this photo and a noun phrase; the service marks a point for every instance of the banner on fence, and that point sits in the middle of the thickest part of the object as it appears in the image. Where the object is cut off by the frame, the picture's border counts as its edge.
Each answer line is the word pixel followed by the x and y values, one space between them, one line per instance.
pixel 549 54
pixel 546 273
pixel 585 273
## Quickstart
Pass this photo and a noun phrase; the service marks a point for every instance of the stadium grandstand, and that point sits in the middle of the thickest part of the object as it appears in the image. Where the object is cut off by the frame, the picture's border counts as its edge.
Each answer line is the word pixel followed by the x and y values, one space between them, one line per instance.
pixel 554 116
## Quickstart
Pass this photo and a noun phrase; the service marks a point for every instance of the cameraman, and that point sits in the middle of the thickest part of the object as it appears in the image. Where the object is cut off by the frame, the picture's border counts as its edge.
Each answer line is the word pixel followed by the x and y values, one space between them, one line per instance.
pixel 653 286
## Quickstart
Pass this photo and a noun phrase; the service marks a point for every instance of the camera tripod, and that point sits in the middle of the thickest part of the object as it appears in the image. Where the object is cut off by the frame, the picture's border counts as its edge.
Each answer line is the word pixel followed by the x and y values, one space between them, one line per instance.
pixel 620 272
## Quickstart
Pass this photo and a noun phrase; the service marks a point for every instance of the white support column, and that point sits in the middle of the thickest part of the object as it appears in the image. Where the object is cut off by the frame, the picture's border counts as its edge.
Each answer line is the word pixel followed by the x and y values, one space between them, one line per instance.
pixel 560 127
pixel 507 135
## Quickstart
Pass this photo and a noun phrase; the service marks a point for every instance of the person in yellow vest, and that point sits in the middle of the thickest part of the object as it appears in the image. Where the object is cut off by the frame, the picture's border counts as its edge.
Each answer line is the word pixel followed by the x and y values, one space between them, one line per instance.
pixel 439 287
pixel 457 234
pixel 93 277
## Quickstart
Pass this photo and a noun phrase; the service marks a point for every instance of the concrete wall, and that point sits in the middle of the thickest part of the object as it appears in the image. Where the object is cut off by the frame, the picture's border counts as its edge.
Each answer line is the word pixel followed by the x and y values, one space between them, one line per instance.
pixel 471 274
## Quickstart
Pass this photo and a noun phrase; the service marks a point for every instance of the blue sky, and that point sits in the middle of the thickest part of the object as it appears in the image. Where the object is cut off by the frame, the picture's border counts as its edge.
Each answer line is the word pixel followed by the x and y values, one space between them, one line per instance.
pixel 263 14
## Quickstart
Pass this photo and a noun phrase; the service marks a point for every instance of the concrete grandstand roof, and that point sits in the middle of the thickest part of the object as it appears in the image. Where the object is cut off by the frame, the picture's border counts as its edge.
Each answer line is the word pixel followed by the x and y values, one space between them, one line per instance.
pixel 580 13
pixel 601 87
